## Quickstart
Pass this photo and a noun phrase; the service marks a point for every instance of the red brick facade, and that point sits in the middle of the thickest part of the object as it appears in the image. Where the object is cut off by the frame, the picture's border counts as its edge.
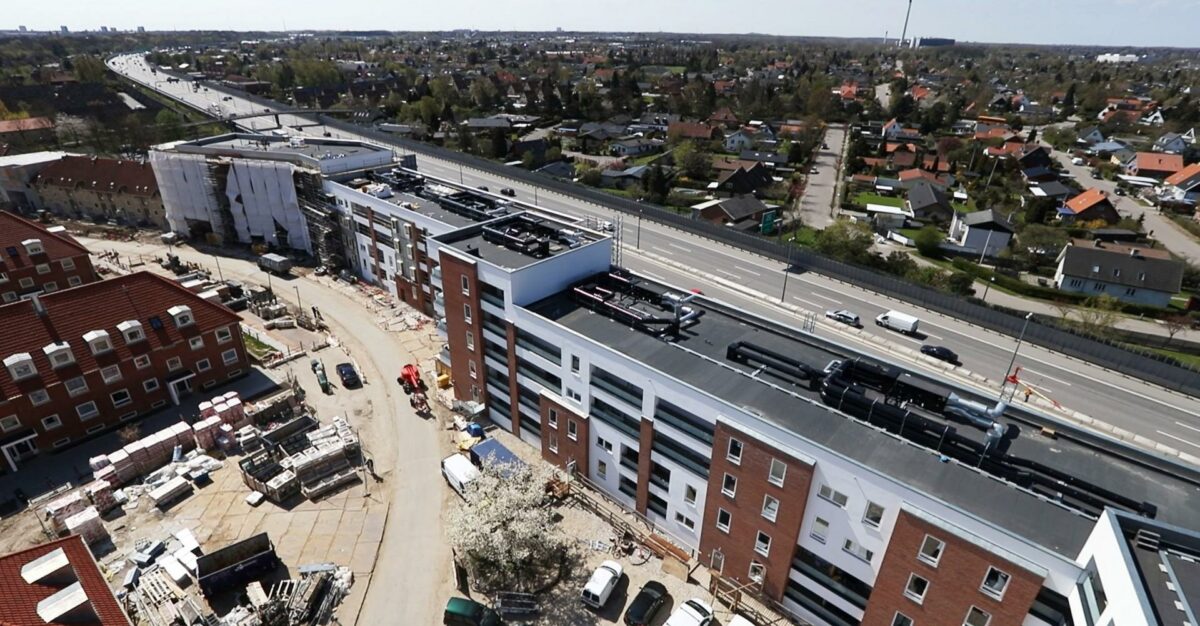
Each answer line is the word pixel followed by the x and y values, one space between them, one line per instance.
pixel 465 337
pixel 745 508
pixel 954 583
pixel 62 263
pixel 571 441
pixel 645 441
pixel 413 292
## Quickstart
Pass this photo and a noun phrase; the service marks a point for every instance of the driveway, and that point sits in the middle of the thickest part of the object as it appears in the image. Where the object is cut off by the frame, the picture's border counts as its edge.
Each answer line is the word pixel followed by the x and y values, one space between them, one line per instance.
pixel 816 203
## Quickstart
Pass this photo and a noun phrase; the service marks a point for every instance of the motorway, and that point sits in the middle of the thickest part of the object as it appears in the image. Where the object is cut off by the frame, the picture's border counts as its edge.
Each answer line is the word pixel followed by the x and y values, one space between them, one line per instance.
pixel 1158 415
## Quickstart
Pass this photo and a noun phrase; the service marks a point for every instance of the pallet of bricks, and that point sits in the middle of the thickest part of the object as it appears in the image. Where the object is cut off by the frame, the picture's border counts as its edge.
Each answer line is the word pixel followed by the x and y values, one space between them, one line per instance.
pixel 328 462
pixel 74 514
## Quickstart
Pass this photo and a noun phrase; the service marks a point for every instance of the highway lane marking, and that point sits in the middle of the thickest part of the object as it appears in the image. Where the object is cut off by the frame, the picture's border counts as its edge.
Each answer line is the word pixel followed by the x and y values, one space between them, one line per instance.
pixel 1037 373
pixel 652 275
pixel 747 271
pixel 678 247
pixel 1190 443
pixel 1187 426
pixel 728 273
pixel 938 337
pixel 817 295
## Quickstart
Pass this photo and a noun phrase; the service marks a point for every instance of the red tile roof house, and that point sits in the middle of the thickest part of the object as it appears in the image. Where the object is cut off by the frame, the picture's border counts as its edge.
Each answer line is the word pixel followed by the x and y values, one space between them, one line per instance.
pixel 35 260
pixel 693 130
pixel 1088 206
pixel 56 584
pixel 1154 165
pixel 1182 186
pixel 91 358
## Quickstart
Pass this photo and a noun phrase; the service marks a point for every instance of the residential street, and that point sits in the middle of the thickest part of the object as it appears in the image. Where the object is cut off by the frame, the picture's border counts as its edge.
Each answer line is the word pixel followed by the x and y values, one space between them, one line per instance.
pixel 815 205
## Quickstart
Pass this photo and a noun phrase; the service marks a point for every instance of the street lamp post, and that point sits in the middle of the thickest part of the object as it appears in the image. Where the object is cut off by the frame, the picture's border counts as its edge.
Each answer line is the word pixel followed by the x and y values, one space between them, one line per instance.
pixel 987 286
pixel 299 306
pixel 638 244
pixel 1011 362
pixel 219 274
pixel 786 270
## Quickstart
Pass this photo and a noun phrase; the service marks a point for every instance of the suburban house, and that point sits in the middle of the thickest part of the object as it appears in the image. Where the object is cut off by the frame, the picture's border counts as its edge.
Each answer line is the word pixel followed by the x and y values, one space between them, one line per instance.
pixel 740 139
pixel 697 131
pixel 723 117
pixel 634 146
pixel 1147 276
pixel 1049 189
pixel 743 180
pixel 1090 136
pixel 623 178
pixel 895 131
pixel 1154 165
pixel 558 169
pixel 910 177
pixel 772 159
pixel 927 202
pixel 99 188
pixel 1088 206
pixel 742 212
pixel 1171 143
pixel 985 232
pixel 1182 187
pixel 1032 156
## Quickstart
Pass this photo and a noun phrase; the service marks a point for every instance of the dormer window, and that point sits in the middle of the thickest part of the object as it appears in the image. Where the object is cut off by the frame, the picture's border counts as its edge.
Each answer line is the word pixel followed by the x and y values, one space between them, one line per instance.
pixel 33 246
pixel 60 354
pixel 182 315
pixel 132 331
pixel 20 366
pixel 98 341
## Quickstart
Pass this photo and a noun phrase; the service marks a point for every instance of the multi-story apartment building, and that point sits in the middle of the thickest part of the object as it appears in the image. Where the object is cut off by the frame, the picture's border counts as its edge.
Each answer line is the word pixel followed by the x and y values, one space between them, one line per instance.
pixel 90 358
pixel 98 188
pixel 36 260
pixel 263 189
pixel 847 494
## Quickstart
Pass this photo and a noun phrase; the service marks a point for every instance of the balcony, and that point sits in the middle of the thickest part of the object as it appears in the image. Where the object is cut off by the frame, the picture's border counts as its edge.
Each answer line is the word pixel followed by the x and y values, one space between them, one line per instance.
pixel 440 325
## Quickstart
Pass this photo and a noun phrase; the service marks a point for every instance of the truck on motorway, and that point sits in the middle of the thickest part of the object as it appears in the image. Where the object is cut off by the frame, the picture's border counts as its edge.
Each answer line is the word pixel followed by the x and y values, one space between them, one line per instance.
pixel 276 263
pixel 900 322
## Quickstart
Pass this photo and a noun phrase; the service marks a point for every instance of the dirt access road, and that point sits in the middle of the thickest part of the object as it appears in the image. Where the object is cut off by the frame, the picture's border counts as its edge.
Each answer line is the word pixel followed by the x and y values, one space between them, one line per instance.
pixel 411 580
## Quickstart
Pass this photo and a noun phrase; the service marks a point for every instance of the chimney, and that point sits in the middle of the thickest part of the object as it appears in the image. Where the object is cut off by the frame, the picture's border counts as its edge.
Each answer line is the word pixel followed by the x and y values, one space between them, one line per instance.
pixel 38 306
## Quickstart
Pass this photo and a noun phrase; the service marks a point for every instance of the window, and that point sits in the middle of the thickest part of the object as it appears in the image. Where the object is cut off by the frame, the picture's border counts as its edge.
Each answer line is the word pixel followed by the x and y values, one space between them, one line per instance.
pixel 931 550
pixel 9 422
pixel 685 520
pixel 874 515
pixel 552 442
pixel 150 384
pixel 575 395
pixel 470 341
pixel 120 398
pixel 723 520
pixel 181 314
pixel 734 453
pixel 141 361
pixel 1129 291
pixel 50 422
pixel 74 281
pixel 196 343
pixel 689 495
pixel 10 296
pixel 778 471
pixel 916 588
pixel 901 619
pixel 602 470
pixel 76 386
pixel 466 284
pixel 757 572
pixel 828 493
pixel 857 551
pixel 111 374
pixel 762 543
pixel 62 442
pixel 552 418
pixel 572 430
pixel 26 283
pixel 60 355
pixel 820 530
pixel 471 370
pixel 203 365
pixel 729 485
pixel 50 286
pixel 87 410
pixel 229 357
pixel 770 508
pixel 467 313
pixel 68 264
pixel 1116 272
pixel 977 617
pixel 224 335
pixel 605 444
pixel 574 364
pixel 43 268
pixel 994 583
pixel 175 363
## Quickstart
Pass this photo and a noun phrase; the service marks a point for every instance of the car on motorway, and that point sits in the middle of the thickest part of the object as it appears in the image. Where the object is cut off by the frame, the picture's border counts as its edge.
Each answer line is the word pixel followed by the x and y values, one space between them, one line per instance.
pixel 605 226
pixel 848 318
pixel 600 586
pixel 483 188
pixel 941 353
pixel 652 596
pixel 508 191
pixel 694 612
pixel 350 379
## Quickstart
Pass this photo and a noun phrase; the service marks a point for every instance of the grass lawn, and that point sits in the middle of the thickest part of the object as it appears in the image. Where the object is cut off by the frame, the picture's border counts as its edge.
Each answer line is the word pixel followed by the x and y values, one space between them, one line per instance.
pixel 806 236
pixel 865 198
pixel 257 348
pixel 964 207
pixel 645 159
pixel 911 233
pixel 1188 224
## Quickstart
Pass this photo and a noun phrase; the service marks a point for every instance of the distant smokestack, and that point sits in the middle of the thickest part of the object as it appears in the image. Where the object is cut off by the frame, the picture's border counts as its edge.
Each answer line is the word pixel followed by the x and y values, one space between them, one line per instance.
pixel 904 33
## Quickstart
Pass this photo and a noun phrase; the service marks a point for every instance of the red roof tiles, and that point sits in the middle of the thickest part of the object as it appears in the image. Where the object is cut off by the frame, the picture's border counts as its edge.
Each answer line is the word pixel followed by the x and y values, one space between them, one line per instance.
pixel 1185 174
pixel 1159 162
pixel 26 125
pixel 19 600
pixel 14 229
pixel 99 174
pixel 1086 200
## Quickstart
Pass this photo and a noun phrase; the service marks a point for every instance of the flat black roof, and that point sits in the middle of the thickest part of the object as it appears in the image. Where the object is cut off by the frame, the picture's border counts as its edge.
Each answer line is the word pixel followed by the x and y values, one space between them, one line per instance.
pixel 698 358
pixel 518 240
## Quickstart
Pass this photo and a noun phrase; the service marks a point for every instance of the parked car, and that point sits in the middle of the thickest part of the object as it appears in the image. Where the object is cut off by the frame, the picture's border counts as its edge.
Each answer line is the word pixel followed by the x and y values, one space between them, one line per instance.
pixel 464 612
pixel 942 353
pixel 646 604
pixel 350 379
pixel 1120 191
pixel 812 170
pixel 508 191
pixel 482 188
pixel 600 586
pixel 1096 174
pixel 694 612
pixel 1077 161
pixel 459 472
pixel 845 317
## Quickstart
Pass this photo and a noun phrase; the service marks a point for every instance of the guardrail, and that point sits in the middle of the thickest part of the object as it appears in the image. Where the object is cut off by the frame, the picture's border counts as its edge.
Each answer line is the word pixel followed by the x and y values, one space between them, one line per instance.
pixel 1151 367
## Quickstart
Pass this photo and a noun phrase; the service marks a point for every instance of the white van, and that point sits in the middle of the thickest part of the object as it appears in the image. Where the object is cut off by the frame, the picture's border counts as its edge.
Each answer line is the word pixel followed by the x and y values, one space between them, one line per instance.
pixel 899 322
pixel 600 586
pixel 459 472
pixel 1077 161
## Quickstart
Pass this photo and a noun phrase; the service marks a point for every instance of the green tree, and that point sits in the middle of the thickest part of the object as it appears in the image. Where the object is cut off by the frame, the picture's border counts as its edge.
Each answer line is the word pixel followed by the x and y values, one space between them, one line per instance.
pixel 88 68
pixel 693 160
pixel 1039 244
pixel 590 176
pixel 846 241
pixel 169 125
pixel 929 242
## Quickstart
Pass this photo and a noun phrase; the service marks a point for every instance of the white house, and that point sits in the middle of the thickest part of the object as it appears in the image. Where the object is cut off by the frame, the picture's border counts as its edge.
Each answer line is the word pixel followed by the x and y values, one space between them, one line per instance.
pixel 1182 186
pixel 987 232
pixel 739 140
pixel 1133 274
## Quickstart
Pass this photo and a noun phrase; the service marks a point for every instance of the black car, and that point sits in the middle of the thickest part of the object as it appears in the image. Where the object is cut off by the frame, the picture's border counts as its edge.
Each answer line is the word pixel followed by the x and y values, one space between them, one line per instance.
pixel 508 191
pixel 1120 191
pixel 482 188
pixel 646 604
pixel 350 379
pixel 941 353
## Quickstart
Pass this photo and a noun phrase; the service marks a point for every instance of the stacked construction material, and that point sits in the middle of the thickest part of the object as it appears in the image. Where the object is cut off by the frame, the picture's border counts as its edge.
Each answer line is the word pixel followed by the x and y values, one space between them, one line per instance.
pixel 58 510
pixel 338 431
pixel 98 462
pixel 320 469
pixel 87 524
pixel 100 493
pixel 206 431
pixel 170 491
pixel 265 475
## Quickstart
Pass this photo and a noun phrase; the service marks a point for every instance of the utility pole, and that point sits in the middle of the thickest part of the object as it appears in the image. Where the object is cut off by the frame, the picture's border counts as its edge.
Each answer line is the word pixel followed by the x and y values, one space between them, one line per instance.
pixel 786 270
pixel 639 232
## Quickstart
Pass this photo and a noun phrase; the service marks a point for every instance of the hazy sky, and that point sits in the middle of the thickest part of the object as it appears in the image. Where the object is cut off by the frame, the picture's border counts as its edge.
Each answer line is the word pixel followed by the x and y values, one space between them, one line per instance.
pixel 1099 22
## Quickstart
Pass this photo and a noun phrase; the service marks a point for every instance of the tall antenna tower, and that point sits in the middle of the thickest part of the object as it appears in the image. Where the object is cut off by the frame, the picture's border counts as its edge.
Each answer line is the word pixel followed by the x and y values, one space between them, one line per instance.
pixel 904 33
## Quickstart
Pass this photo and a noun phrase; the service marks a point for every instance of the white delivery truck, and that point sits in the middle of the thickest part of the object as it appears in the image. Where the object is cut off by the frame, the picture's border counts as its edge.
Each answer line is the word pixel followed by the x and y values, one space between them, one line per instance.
pixel 899 322
pixel 459 472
